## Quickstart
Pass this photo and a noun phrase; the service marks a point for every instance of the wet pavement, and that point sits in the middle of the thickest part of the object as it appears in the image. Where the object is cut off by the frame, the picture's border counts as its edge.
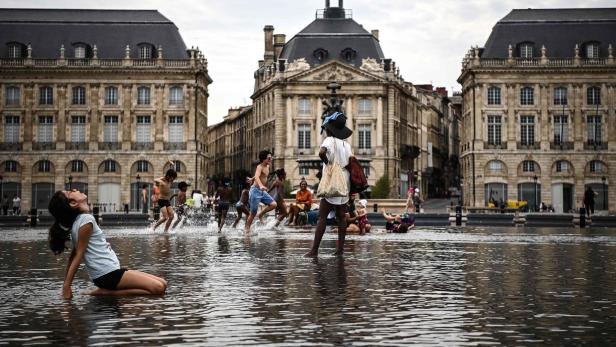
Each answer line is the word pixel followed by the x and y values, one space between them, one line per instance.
pixel 432 286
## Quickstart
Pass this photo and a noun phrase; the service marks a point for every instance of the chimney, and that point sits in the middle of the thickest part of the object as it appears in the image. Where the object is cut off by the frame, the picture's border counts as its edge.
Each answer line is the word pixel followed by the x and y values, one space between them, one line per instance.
pixel 269 44
pixel 279 41
pixel 442 91
pixel 375 33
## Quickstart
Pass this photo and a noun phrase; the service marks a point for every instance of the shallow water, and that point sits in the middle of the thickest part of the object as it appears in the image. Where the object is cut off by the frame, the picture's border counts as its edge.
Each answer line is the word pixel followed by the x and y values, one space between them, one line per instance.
pixel 431 286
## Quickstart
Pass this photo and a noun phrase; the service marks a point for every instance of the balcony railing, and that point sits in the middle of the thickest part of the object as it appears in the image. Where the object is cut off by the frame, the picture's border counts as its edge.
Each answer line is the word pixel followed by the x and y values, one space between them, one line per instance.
pixel 502 145
pixel 520 145
pixel 43 146
pixel 77 146
pixel 10 146
pixel 142 146
pixel 109 146
pixel 170 146
pixel 593 146
pixel 537 62
pixel 78 63
pixel 561 145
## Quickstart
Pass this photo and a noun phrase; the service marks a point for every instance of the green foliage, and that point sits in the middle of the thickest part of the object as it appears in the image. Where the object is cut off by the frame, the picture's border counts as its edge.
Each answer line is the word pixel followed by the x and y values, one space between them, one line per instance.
pixel 381 188
pixel 288 187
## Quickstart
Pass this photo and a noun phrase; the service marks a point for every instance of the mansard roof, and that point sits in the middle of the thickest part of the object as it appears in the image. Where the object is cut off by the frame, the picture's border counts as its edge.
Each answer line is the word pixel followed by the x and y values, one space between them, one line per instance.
pixel 559 30
pixel 332 35
pixel 110 30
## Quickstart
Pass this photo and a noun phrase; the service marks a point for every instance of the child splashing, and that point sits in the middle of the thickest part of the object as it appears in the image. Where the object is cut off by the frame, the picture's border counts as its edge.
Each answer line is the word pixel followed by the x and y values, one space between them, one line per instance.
pixel 74 222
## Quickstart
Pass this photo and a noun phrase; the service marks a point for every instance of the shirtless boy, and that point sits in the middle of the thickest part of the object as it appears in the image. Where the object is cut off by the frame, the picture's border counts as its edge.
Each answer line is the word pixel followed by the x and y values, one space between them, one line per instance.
pixel 164 202
pixel 224 197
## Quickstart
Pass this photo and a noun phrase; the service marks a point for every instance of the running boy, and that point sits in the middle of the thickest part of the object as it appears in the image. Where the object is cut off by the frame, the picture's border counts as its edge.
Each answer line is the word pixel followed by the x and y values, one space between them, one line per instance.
pixel 224 197
pixel 258 191
pixel 180 203
pixel 164 202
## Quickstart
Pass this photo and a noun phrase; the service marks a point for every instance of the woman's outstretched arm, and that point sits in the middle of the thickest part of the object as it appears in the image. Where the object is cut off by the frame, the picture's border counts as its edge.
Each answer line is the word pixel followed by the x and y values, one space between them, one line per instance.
pixel 75 259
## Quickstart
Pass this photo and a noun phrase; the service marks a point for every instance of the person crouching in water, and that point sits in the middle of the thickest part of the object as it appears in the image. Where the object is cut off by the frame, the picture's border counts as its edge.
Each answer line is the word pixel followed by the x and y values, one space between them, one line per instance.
pixel 277 193
pixel 164 201
pixel 74 222
pixel 180 202
pixel 223 194
pixel 242 205
pixel 258 191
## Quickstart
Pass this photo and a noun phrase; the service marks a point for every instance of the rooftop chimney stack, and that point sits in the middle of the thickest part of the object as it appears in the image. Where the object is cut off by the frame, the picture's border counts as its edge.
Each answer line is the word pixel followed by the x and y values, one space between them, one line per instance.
pixel 279 41
pixel 268 57
pixel 375 33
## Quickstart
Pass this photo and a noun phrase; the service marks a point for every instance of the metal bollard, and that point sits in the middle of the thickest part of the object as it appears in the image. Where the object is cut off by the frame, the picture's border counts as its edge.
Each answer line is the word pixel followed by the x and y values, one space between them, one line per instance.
pixel 96 213
pixel 156 213
pixel 582 217
pixel 33 217
pixel 458 215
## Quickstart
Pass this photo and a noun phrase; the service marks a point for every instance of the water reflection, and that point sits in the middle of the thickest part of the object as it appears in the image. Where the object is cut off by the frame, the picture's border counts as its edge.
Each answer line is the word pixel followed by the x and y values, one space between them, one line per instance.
pixel 496 286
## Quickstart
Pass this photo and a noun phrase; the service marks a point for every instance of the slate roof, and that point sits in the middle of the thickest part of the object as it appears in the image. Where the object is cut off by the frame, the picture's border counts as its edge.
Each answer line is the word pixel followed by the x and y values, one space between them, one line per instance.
pixel 558 29
pixel 110 30
pixel 333 35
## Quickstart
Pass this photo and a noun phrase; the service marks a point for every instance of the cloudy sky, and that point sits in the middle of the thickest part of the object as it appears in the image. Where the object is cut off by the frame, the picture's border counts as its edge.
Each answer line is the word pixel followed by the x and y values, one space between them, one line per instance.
pixel 427 39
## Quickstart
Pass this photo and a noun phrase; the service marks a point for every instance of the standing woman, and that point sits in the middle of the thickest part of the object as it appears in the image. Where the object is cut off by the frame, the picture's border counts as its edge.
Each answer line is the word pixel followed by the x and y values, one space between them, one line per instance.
pixel 74 222
pixel 258 191
pixel 333 149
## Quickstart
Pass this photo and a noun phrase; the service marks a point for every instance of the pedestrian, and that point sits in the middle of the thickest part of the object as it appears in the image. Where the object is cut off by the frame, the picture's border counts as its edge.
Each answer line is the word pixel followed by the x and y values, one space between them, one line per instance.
pixel 277 193
pixel 223 194
pixel 74 222
pixel 180 203
pixel 242 206
pixel 164 201
pixel 333 149
pixel 16 205
pixel 258 191
pixel 5 205
pixel 589 201
pixel 144 199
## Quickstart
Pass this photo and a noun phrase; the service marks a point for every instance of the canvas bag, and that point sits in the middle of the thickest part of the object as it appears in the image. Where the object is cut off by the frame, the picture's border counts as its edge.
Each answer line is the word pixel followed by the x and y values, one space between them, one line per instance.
pixel 333 182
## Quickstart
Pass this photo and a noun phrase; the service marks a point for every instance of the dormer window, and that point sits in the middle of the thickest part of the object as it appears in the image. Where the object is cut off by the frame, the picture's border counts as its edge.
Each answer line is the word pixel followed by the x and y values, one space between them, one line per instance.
pixel 526 49
pixel 348 54
pixel 592 50
pixel 320 54
pixel 146 51
pixel 16 50
pixel 80 52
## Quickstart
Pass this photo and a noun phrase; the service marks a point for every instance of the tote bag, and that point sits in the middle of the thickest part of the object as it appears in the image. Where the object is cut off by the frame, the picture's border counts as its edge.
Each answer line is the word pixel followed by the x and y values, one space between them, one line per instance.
pixel 333 182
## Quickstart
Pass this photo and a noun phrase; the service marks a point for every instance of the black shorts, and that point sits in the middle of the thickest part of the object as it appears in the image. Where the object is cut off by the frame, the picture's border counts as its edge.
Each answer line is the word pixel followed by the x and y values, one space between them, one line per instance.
pixel 111 280
pixel 222 206
pixel 163 203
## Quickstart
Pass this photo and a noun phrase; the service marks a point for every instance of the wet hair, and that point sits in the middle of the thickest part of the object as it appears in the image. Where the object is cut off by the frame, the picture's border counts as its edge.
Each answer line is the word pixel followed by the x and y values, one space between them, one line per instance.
pixel 280 173
pixel 171 174
pixel 402 229
pixel 263 155
pixel 182 186
pixel 64 215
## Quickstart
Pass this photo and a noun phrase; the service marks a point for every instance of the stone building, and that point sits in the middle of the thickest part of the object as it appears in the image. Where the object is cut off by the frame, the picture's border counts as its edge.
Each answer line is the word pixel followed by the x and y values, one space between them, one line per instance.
pixel 397 126
pixel 537 100
pixel 99 100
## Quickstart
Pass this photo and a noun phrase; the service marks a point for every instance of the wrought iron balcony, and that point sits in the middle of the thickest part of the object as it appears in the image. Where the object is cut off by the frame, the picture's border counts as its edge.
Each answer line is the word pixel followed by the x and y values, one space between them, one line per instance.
pixel 142 146
pixel 77 146
pixel 10 146
pixel 170 146
pixel 109 146
pixel 565 145
pixel 591 145
pixel 43 146
pixel 520 145
pixel 502 145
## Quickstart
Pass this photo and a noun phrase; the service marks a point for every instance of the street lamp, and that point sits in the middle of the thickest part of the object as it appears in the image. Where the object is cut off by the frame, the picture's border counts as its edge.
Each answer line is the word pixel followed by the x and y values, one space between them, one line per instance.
pixel 603 179
pixel 137 192
pixel 535 179
pixel 70 182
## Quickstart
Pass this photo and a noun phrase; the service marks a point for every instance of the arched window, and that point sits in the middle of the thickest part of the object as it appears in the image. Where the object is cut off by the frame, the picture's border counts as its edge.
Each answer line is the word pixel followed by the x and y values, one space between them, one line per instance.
pixel 526 50
pixel 495 167
pixel 77 166
pixel 348 54
pixel 109 166
pixel 176 95
pixel 593 96
pixel 111 96
pixel 11 166
pixel 44 166
pixel 79 95
pixel 596 167
pixel 528 166
pixel 143 166
pixel 320 54
pixel 146 51
pixel 143 96
pixel 494 96
pixel 562 166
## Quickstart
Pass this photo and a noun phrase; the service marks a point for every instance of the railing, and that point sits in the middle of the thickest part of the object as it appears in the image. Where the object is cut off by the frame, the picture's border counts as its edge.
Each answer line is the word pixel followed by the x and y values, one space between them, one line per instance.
pixel 493 62
pixel 535 145
pixel 502 145
pixel 142 146
pixel 78 62
pixel 552 62
pixel 144 62
pixel 10 146
pixel 169 146
pixel 70 62
pixel 110 146
pixel 593 146
pixel 527 61
pixel 561 62
pixel 43 146
pixel 594 61
pixel 561 145
pixel 177 63
pixel 45 62
pixel 12 62
pixel 77 146
pixel 110 62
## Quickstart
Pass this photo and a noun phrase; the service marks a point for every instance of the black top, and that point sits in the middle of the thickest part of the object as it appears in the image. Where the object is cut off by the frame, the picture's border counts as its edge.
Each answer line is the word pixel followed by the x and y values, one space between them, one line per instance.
pixel 558 29
pixel 110 30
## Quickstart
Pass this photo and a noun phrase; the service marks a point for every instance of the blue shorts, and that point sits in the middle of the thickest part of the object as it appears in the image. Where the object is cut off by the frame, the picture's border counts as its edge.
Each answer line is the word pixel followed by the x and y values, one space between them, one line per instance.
pixel 256 196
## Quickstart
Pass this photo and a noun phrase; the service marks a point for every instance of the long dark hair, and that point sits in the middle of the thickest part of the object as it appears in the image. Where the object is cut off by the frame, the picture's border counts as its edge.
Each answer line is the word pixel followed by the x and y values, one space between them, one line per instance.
pixel 65 215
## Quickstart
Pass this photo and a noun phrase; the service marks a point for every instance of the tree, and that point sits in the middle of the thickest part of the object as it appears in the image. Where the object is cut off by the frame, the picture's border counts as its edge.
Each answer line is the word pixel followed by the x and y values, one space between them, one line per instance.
pixel 381 188
pixel 288 187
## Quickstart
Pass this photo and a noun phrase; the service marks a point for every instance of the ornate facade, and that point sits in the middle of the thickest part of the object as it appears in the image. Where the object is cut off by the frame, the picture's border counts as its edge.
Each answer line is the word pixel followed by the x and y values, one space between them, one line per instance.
pixel 102 107
pixel 537 105
pixel 398 128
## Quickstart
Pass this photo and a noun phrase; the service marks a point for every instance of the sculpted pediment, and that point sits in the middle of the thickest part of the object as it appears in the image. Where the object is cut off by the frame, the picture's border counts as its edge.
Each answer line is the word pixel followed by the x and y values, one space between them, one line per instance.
pixel 334 71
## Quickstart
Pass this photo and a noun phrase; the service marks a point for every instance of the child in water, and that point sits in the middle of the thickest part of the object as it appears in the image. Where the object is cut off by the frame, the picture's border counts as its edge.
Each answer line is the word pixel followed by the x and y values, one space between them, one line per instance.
pixel 74 222
pixel 164 201
pixel 180 203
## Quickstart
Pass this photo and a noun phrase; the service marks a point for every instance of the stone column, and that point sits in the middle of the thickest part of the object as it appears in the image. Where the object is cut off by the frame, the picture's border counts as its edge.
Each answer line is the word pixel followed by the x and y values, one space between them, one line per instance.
pixel 29 102
pixel 159 120
pixel 191 119
pixel 512 131
pixel 125 121
pixel 544 123
pixel 290 142
pixel 578 124
pixel 95 101
pixel 61 122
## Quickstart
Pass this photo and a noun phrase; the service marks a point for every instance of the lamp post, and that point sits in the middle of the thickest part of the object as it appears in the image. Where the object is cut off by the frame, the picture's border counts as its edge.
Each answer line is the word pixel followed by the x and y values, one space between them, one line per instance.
pixel 138 196
pixel 603 179
pixel 70 182
pixel 535 179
